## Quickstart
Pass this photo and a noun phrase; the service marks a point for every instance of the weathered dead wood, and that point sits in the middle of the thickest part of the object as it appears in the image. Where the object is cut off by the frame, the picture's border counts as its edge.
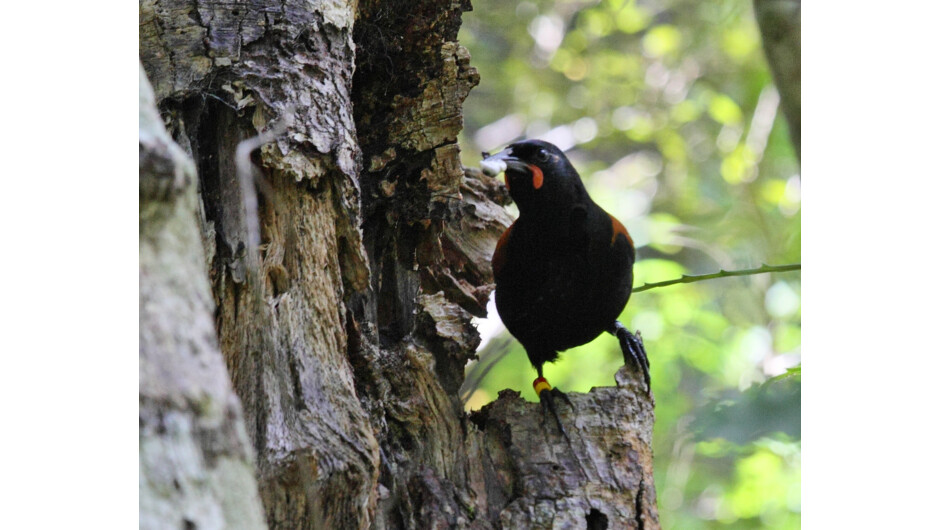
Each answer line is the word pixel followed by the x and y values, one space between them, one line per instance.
pixel 196 469
pixel 374 256
pixel 223 71
pixel 601 476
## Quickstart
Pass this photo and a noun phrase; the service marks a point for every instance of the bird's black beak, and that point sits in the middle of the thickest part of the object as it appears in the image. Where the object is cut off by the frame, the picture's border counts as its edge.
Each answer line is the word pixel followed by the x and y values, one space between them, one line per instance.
pixel 493 165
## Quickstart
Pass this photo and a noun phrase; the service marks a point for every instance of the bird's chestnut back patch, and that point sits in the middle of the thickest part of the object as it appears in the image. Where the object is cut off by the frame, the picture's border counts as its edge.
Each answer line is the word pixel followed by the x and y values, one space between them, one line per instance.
pixel 618 228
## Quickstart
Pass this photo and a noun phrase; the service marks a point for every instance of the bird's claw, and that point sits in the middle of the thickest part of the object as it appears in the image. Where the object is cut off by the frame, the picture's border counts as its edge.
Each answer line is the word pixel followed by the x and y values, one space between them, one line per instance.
pixel 633 351
pixel 547 398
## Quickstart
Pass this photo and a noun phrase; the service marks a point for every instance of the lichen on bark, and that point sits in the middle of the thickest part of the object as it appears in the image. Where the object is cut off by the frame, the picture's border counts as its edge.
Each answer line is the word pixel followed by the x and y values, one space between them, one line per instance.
pixel 195 457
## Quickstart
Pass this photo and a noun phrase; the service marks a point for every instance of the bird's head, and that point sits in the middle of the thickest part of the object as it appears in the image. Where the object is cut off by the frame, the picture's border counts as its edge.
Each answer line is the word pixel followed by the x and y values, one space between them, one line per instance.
pixel 537 174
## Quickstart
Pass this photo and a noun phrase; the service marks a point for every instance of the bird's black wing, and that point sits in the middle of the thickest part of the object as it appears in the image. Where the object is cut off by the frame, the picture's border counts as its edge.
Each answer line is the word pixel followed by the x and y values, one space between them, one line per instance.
pixel 579 236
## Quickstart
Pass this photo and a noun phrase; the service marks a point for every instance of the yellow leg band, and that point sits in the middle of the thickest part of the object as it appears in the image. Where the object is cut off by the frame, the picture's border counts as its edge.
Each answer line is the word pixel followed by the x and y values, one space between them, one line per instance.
pixel 541 384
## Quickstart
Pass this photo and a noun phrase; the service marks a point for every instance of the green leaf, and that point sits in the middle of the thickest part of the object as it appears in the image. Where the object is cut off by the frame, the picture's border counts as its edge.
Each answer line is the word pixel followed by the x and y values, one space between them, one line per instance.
pixel 760 411
pixel 662 40
pixel 632 18
pixel 724 110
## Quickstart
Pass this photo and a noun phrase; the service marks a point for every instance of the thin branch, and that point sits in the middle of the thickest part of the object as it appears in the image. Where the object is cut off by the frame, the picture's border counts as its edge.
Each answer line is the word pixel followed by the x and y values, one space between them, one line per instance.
pixel 720 274
pixel 492 354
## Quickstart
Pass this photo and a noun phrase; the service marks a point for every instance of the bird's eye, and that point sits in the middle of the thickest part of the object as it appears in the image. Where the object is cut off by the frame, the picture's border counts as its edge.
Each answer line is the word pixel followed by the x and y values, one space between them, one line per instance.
pixel 541 155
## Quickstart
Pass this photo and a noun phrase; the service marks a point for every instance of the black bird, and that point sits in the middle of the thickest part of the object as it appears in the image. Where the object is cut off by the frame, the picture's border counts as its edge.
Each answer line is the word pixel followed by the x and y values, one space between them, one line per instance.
pixel 564 268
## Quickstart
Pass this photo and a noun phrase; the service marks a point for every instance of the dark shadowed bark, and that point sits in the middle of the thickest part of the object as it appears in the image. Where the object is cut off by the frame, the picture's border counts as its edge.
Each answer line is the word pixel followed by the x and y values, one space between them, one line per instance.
pixel 345 333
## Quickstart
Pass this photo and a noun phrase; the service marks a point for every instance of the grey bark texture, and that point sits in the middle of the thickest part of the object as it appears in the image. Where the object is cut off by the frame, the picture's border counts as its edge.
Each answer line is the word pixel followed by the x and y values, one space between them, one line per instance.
pixel 779 22
pixel 345 333
pixel 196 468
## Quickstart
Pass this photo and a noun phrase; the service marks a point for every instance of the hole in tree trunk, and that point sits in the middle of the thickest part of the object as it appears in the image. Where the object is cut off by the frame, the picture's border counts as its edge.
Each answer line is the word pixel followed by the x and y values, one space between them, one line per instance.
pixel 596 520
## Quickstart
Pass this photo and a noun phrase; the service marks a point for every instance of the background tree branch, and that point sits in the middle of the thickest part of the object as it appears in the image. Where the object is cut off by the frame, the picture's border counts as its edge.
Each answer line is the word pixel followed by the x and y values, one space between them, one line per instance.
pixel 779 22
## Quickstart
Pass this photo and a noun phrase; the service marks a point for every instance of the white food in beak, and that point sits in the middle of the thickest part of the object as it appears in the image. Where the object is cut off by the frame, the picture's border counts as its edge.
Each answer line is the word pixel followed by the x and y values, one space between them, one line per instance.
pixel 492 167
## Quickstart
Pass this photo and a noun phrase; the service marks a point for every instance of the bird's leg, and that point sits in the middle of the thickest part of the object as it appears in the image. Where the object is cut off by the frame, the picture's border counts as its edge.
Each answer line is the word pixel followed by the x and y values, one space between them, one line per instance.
pixel 547 396
pixel 633 350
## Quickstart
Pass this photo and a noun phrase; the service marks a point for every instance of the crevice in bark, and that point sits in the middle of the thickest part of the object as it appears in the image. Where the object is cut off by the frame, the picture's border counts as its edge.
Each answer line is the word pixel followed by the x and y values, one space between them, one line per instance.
pixel 211 124
pixel 639 505
pixel 213 131
pixel 195 463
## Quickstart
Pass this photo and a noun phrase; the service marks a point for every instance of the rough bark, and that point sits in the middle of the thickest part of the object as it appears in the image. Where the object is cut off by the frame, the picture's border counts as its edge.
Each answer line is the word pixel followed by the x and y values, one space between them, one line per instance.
pixel 284 340
pixel 346 338
pixel 600 477
pixel 779 22
pixel 196 469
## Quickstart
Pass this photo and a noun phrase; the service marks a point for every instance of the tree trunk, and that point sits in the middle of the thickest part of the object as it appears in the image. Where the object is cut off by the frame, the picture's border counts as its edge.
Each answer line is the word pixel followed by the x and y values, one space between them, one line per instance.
pixel 346 331
pixel 779 22
pixel 195 458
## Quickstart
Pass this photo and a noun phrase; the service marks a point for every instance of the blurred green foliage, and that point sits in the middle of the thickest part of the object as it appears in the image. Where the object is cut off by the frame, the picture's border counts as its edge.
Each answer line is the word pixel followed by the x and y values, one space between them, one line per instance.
pixel 668 110
pixel 761 410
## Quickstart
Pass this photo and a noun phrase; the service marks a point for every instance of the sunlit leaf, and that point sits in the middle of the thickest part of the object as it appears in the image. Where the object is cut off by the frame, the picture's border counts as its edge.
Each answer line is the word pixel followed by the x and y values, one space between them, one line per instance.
pixel 739 165
pixel 632 18
pixel 739 42
pixel 662 40
pixel 597 23
pixel 724 109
